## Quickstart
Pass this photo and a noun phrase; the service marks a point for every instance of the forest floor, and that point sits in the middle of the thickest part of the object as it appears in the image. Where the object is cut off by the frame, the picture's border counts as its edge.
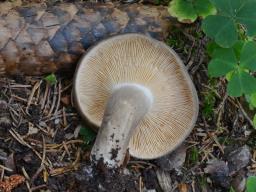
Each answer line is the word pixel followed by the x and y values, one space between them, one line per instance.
pixel 45 146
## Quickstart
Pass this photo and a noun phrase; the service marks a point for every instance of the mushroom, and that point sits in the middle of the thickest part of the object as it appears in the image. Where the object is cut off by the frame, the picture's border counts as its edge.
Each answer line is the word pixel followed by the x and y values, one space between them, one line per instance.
pixel 138 91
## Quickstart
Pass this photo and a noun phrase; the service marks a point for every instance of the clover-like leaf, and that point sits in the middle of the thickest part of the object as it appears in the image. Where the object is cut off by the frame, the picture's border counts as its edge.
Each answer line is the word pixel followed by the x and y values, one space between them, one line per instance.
pixel 228 7
pixel 222 29
pixel 224 61
pixel 238 48
pixel 241 83
pixel 248 55
pixel 251 184
pixel 231 13
pixel 187 11
pixel 253 100
pixel 211 47
pixel 246 15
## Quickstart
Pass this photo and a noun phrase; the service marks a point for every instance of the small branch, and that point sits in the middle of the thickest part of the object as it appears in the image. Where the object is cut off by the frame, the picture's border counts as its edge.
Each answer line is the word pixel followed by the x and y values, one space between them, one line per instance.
pixel 245 114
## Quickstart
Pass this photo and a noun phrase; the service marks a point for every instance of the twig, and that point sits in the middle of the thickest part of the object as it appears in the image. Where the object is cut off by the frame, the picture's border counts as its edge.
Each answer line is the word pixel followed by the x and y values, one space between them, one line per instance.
pixel 21 141
pixel 67 87
pixel 59 97
pixel 19 98
pixel 36 188
pixel 65 123
pixel 140 183
pixel 245 114
pixel 2 175
pixel 58 116
pixel 25 173
pixel 53 101
pixel 45 96
pixel 5 168
pixel 36 86
pixel 39 170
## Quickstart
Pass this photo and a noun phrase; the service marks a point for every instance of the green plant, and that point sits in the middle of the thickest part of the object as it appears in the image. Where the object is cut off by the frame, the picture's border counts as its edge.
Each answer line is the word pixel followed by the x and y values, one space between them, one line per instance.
pixel 51 79
pixel 251 99
pixel 251 184
pixel 232 18
pixel 232 189
pixel 193 155
pixel 187 11
pixel 233 49
pixel 209 101
pixel 87 135
pixel 236 63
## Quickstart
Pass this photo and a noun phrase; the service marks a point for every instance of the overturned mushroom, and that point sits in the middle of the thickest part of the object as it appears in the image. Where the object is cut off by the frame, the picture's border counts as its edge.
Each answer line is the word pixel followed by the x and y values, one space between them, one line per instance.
pixel 137 90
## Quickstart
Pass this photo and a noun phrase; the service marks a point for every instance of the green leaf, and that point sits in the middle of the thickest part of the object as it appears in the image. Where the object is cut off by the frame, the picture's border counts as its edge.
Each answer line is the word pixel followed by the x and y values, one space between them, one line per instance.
pixel 229 75
pixel 187 11
pixel 224 61
pixel 87 134
pixel 51 79
pixel 253 100
pixel 183 10
pixel 254 121
pixel 222 29
pixel 246 15
pixel 211 47
pixel 204 8
pixel 238 48
pixel 227 7
pixel 241 83
pixel 251 184
pixel 248 55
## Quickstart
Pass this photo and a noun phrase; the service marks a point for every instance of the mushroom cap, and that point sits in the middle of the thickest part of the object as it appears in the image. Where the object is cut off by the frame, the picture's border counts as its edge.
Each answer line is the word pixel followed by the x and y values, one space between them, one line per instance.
pixel 139 59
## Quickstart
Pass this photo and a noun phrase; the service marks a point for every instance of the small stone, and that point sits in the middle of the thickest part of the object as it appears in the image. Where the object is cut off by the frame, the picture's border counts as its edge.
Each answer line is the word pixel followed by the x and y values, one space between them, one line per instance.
pixel 174 160
pixel 239 181
pixel 238 159
pixel 3 105
pixel 126 171
pixel 219 173
pixel 56 121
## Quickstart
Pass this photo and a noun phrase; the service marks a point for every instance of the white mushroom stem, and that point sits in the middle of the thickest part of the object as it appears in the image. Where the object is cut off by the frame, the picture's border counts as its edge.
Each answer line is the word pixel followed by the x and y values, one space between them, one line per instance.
pixel 127 105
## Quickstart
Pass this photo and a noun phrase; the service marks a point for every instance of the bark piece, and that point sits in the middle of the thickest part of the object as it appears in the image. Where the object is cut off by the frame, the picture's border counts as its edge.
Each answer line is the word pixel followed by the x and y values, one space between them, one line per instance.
pixel 66 27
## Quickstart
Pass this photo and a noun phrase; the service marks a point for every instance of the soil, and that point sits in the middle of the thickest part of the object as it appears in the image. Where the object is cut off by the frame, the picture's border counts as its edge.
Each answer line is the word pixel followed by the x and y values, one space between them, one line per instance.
pixel 39 140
